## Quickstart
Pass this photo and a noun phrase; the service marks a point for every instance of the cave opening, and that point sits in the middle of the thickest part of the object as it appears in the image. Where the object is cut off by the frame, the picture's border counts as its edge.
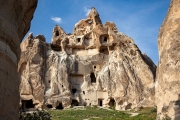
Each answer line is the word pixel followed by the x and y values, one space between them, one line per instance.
pixel 75 103
pixel 56 47
pixel 57 33
pixel 74 91
pixel 27 104
pixel 121 102
pixel 60 107
pixel 112 102
pixel 49 106
pixel 93 78
pixel 104 50
pixel 128 106
pixel 78 40
pixel 105 39
pixel 100 102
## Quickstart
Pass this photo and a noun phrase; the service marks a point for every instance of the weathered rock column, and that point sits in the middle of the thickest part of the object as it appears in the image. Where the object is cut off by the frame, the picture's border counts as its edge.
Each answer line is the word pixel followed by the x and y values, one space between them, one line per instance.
pixel 168 72
pixel 15 17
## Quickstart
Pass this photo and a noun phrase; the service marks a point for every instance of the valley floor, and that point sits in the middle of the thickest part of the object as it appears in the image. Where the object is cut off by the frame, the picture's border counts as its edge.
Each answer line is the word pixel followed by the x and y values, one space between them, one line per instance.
pixel 99 113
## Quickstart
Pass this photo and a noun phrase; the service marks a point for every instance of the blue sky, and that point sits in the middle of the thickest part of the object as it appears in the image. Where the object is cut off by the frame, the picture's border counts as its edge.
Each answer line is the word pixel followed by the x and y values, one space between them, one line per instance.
pixel 139 19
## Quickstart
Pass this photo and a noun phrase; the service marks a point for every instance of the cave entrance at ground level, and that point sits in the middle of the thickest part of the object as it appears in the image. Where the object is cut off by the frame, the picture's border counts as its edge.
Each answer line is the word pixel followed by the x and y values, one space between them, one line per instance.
pixel 100 102
pixel 49 106
pixel 112 102
pixel 128 106
pixel 75 103
pixel 60 107
pixel 27 104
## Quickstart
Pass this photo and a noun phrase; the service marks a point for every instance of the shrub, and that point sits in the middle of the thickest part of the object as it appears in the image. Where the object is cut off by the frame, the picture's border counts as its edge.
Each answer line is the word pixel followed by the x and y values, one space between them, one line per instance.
pixel 154 110
pixel 38 115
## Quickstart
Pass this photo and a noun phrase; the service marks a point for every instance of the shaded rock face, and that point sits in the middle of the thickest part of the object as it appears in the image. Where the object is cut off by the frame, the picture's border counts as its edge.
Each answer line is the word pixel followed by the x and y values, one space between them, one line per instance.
pixel 95 65
pixel 168 79
pixel 15 17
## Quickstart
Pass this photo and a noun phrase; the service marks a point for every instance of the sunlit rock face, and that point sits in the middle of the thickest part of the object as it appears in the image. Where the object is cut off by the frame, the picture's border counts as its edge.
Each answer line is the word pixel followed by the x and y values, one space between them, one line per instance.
pixel 15 17
pixel 168 77
pixel 95 65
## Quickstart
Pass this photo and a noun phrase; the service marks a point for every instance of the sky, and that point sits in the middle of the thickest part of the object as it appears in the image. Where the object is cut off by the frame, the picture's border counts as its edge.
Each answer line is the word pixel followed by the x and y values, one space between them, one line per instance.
pixel 139 19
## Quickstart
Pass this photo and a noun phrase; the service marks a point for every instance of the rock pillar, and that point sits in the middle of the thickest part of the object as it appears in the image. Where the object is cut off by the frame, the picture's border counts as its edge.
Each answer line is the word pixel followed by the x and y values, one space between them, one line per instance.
pixel 15 17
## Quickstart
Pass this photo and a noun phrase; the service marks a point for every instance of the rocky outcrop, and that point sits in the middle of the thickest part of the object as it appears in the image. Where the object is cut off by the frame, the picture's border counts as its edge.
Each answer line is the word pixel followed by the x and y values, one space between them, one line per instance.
pixel 168 79
pixel 95 65
pixel 15 17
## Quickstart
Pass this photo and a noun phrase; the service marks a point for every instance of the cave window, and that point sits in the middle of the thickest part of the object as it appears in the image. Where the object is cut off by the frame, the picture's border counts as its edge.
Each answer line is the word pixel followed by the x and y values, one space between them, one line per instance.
pixel 57 33
pixel 78 40
pixel 49 106
pixel 62 86
pixel 93 78
pixel 60 106
pixel 84 92
pixel 49 81
pixel 74 90
pixel 105 39
pixel 94 67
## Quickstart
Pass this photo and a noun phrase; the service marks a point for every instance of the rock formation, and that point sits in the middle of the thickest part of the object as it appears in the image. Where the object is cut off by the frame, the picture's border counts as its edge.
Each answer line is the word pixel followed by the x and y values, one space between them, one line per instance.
pixel 95 65
pixel 168 77
pixel 15 17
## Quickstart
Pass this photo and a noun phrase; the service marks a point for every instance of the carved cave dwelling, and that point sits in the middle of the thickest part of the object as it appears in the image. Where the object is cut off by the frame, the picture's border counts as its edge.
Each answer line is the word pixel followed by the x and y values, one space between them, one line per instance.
pixel 95 65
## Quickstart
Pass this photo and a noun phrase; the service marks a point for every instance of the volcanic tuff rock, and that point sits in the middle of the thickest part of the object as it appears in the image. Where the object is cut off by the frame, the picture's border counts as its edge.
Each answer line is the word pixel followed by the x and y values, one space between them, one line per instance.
pixel 15 17
pixel 95 65
pixel 168 78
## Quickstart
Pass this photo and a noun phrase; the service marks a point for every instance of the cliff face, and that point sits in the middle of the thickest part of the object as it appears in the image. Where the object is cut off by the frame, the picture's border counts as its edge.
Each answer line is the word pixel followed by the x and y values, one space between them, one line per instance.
pixel 15 17
pixel 95 65
pixel 168 79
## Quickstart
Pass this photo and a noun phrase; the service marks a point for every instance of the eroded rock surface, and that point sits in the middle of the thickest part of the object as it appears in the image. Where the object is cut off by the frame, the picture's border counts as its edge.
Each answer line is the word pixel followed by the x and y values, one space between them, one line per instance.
pixel 95 65
pixel 15 17
pixel 168 77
